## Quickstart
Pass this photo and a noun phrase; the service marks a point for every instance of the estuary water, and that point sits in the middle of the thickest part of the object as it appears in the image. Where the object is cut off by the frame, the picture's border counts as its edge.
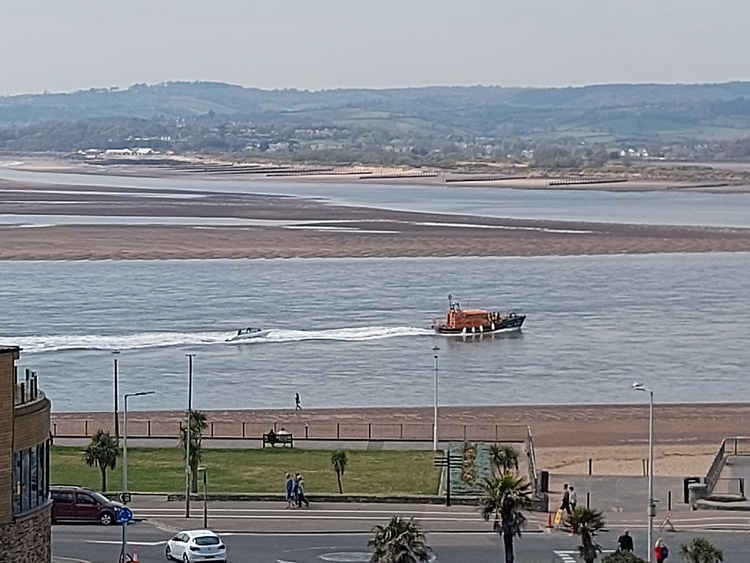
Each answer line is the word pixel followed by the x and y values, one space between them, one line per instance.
pixel 668 207
pixel 355 332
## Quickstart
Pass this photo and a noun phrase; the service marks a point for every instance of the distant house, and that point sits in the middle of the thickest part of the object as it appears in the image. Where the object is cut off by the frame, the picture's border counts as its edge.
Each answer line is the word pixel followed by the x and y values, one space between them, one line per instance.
pixel 118 152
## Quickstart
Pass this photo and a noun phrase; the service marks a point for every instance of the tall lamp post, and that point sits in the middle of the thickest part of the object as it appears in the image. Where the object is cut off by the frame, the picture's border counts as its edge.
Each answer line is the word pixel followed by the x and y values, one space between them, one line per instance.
pixel 190 357
pixel 203 469
pixel 125 438
pixel 125 461
pixel 115 354
pixel 435 351
pixel 651 511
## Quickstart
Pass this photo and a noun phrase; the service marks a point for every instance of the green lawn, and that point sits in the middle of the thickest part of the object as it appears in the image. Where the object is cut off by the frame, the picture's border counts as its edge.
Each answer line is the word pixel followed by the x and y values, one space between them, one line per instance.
pixel 256 471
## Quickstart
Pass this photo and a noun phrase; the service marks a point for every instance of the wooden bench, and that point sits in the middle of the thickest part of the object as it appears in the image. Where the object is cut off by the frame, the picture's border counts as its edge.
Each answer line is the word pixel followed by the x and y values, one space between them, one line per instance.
pixel 274 438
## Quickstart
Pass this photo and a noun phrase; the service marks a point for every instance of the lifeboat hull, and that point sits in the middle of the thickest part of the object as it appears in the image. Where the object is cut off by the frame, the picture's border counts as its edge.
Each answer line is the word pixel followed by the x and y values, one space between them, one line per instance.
pixel 507 324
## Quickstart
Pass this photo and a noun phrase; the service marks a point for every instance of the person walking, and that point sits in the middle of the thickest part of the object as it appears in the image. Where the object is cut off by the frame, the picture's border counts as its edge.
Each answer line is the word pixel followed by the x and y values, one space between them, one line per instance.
pixel 565 505
pixel 573 498
pixel 289 491
pixel 295 491
pixel 301 493
pixel 297 403
pixel 625 542
pixel 661 551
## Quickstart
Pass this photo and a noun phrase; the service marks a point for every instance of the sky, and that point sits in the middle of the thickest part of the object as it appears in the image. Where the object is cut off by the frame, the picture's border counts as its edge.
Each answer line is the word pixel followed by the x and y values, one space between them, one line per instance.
pixel 320 44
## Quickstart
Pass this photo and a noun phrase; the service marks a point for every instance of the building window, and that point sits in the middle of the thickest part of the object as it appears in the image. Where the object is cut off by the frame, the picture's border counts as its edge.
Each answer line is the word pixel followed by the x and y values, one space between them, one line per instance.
pixel 31 478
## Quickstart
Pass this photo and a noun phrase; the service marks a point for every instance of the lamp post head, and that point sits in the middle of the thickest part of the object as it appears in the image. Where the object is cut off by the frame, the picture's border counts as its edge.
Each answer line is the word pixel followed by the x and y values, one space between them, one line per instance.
pixel 115 352
pixel 436 348
pixel 140 393
pixel 202 468
pixel 637 386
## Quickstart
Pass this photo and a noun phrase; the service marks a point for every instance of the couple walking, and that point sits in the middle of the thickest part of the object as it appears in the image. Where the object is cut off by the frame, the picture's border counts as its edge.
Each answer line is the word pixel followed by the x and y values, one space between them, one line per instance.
pixel 569 499
pixel 295 491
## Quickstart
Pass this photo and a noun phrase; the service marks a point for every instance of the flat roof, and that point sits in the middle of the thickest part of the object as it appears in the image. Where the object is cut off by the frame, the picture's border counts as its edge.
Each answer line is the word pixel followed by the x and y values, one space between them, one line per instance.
pixel 7 349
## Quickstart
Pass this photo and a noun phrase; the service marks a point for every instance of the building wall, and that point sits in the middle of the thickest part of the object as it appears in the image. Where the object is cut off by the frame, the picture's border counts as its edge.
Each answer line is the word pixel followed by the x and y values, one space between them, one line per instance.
pixel 31 424
pixel 27 539
pixel 7 388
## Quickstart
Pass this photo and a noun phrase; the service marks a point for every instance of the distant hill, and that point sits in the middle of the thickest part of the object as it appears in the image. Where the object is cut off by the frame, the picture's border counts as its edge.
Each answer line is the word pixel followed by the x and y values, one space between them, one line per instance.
pixel 637 113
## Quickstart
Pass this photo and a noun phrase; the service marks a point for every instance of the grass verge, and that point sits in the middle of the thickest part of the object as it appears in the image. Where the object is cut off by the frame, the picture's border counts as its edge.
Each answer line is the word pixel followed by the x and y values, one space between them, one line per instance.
pixel 256 470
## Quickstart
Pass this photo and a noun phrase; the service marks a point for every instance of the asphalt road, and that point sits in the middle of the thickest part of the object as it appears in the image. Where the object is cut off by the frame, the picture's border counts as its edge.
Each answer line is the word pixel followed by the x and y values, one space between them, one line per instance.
pixel 94 544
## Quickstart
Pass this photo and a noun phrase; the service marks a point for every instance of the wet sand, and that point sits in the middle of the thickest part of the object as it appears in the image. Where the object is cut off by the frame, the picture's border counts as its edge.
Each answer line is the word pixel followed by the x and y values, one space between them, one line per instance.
pixel 307 228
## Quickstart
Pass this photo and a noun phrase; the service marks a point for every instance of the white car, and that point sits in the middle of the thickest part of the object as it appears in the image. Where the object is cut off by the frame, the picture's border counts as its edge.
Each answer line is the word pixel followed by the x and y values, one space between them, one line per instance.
pixel 196 545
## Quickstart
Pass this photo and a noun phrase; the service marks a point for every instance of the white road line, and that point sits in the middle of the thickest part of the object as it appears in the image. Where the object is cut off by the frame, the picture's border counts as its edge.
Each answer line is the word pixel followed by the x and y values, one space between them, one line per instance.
pixel 286 511
pixel 296 517
pixel 119 542
pixel 569 556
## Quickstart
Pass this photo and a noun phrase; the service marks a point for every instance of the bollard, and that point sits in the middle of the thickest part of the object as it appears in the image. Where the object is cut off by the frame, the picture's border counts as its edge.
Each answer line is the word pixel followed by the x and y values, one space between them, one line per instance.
pixel 86 428
pixel 307 430
pixel 212 430
pixel 590 466
pixel 402 430
pixel 243 429
pixel 148 427
pixel 338 431
pixel 669 501
pixel 369 430
pixel 588 500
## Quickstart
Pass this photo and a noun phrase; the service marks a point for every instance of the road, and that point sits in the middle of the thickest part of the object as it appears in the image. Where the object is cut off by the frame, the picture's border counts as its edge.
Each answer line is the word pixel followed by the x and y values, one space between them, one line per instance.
pixel 265 532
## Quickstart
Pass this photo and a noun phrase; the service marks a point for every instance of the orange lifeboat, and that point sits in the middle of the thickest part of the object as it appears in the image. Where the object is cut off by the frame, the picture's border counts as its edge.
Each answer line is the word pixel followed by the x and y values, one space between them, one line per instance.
pixel 476 321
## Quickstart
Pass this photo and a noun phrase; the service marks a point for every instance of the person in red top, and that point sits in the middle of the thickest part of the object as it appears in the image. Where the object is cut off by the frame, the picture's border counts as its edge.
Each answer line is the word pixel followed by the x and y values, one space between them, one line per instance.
pixel 661 551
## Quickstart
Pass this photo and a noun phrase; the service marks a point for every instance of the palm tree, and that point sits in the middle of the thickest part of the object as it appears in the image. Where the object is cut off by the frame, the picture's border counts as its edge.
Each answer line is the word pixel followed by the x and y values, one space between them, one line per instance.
pixel 197 425
pixel 504 498
pixel 586 522
pixel 504 458
pixel 102 452
pixel 399 541
pixel 338 460
pixel 700 550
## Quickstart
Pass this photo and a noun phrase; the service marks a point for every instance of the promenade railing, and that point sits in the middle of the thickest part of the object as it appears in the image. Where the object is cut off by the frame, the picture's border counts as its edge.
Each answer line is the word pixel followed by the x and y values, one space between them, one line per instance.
pixel 156 428
pixel 732 446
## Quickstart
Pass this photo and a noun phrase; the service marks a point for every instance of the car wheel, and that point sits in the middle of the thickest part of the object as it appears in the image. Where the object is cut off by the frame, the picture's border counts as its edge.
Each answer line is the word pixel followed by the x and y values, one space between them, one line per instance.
pixel 106 518
pixel 168 553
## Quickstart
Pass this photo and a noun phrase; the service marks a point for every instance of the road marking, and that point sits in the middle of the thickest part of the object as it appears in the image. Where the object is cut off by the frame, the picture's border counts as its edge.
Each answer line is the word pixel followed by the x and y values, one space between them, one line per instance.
pixel 287 511
pixel 119 542
pixel 570 555
pixel 313 516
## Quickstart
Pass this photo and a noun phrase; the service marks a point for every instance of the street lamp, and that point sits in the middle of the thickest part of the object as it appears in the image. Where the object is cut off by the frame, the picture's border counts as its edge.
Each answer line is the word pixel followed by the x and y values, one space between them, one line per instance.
pixel 190 357
pixel 125 438
pixel 651 511
pixel 115 354
pixel 435 351
pixel 125 462
pixel 204 469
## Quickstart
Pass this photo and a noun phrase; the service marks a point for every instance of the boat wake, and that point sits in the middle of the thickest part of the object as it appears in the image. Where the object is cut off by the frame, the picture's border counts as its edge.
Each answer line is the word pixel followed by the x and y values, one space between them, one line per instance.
pixel 56 343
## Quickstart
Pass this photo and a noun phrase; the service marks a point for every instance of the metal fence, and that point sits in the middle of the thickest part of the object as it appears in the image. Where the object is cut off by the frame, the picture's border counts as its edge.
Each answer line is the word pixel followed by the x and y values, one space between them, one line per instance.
pixel 148 428
pixel 732 446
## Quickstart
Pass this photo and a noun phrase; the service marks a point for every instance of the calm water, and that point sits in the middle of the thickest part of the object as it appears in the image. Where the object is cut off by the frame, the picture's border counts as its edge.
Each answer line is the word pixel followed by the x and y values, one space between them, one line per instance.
pixel 353 331
pixel 661 207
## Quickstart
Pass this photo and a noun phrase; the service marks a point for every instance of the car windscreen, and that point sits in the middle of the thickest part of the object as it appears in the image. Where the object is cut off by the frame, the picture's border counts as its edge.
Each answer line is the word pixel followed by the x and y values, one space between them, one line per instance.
pixel 100 498
pixel 206 540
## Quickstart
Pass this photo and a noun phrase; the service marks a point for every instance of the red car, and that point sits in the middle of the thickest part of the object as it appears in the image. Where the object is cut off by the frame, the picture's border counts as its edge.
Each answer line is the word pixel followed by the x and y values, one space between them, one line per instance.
pixel 78 504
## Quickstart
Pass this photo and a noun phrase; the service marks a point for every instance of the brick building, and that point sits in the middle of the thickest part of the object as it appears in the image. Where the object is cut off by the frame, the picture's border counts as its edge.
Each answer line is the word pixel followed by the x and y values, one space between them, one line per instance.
pixel 24 464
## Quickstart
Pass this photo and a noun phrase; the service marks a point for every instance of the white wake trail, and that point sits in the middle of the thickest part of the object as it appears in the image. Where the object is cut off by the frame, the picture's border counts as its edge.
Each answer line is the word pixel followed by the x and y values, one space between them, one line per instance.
pixel 58 343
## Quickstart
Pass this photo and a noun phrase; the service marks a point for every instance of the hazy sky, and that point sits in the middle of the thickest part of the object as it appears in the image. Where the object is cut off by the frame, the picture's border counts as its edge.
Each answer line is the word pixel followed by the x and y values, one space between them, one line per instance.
pixel 65 45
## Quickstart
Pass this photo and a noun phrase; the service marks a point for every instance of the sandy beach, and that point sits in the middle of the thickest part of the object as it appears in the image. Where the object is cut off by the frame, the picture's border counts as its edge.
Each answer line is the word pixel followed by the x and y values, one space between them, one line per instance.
pixel 266 226
pixel 565 437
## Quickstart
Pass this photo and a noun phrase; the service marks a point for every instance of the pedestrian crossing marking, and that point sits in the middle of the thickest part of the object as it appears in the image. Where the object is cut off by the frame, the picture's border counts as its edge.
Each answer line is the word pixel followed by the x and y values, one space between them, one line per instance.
pixel 570 555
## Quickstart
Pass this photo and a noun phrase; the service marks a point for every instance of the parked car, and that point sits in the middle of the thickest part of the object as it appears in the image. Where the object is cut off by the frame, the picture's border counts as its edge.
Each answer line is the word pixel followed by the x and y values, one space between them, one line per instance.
pixel 78 504
pixel 196 545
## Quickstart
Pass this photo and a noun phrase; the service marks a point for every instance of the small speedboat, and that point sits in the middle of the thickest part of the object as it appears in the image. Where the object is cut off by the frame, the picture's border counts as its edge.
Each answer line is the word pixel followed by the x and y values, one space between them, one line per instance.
pixel 247 333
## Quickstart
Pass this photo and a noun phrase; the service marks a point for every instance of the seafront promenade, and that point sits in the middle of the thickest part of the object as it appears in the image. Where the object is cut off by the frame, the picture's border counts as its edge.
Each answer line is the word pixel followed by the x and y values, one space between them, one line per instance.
pixel 565 437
